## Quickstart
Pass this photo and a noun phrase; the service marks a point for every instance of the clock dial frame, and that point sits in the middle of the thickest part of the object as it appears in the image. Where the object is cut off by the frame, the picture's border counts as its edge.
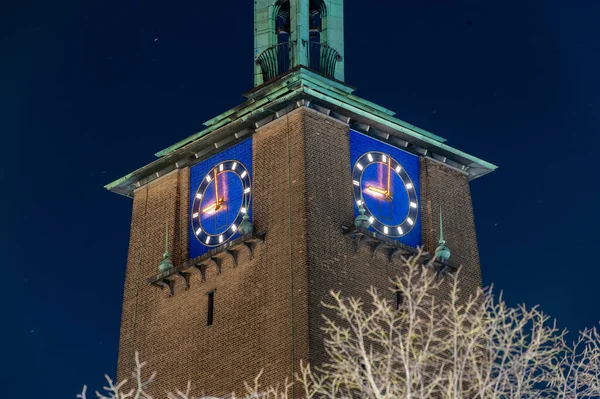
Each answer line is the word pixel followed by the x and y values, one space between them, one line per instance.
pixel 385 194
pixel 209 202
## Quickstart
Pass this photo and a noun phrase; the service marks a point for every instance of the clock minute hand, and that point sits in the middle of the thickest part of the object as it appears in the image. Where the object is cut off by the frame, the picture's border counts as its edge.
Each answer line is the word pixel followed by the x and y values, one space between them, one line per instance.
pixel 218 201
pixel 388 192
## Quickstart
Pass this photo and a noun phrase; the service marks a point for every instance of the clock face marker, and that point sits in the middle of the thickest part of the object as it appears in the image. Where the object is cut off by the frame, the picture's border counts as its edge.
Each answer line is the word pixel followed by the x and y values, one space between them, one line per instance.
pixel 384 158
pixel 410 221
pixel 400 230
pixel 198 231
pixel 234 166
pixel 385 230
pixel 409 186
pixel 208 178
pixel 234 228
pixel 413 204
pixel 243 174
pixel 371 219
pixel 359 166
pixel 195 215
pixel 355 182
pixel 398 169
pixel 221 168
pixel 207 240
pixel 243 210
pixel 199 196
pixel 220 238
pixel 370 157
pixel 246 191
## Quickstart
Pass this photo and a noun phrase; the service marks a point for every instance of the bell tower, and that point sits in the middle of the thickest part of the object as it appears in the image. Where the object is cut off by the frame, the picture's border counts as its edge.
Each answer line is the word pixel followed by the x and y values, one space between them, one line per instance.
pixel 240 231
pixel 290 33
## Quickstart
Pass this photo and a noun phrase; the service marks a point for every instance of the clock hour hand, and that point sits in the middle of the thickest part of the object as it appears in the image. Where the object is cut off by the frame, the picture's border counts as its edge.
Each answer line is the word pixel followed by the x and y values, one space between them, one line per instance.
pixel 378 192
pixel 213 208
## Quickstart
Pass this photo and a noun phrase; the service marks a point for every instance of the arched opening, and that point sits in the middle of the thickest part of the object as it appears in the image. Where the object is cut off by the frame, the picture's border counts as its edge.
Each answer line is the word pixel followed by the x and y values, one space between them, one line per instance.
pixel 317 39
pixel 316 15
pixel 282 31
pixel 282 21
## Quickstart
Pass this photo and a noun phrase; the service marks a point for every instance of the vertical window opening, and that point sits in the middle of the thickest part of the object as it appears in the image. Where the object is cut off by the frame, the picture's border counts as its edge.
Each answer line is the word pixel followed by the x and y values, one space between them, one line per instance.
pixel 316 15
pixel 316 21
pixel 283 29
pixel 399 298
pixel 283 23
pixel 211 308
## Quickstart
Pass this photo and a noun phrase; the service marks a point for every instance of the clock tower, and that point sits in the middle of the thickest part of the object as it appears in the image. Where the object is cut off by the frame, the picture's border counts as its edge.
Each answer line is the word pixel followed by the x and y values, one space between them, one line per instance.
pixel 239 231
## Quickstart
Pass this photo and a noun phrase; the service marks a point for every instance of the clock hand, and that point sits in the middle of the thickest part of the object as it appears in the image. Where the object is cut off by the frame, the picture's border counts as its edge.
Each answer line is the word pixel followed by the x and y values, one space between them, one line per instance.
pixel 218 204
pixel 217 199
pixel 377 191
pixel 388 193
pixel 388 176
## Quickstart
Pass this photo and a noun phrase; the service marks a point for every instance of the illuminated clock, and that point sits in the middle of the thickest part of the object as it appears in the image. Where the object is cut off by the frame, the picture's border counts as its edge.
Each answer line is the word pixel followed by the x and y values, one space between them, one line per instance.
pixel 220 202
pixel 384 188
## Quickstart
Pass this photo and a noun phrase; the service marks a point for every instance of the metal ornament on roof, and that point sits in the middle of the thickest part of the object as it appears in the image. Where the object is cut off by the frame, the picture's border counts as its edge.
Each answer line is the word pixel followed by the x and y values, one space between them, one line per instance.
pixel 362 220
pixel 442 252
pixel 245 227
pixel 166 263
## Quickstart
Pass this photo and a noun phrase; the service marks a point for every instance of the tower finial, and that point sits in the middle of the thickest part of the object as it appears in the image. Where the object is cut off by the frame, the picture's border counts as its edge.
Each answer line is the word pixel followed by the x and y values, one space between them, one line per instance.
pixel 246 227
pixel 362 220
pixel 442 252
pixel 166 263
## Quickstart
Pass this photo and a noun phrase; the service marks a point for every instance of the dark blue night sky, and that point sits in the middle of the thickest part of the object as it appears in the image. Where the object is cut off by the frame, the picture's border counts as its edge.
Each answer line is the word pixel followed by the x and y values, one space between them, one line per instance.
pixel 90 90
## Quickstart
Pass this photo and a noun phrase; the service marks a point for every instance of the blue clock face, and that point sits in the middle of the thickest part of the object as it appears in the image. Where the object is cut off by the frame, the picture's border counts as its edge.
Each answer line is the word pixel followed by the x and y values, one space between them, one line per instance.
pixel 386 191
pixel 220 202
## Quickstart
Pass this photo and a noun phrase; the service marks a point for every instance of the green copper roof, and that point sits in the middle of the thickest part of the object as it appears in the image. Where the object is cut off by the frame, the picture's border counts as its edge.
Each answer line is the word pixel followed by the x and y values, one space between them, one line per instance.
pixel 313 83
pixel 298 87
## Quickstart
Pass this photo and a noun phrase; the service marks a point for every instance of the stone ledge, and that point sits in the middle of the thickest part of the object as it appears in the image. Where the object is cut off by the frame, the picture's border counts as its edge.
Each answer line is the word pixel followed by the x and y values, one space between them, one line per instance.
pixel 214 257
pixel 379 243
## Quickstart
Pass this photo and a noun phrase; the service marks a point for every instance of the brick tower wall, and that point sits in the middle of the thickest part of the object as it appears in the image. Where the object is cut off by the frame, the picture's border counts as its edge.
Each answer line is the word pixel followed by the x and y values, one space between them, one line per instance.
pixel 332 258
pixel 302 196
pixel 252 328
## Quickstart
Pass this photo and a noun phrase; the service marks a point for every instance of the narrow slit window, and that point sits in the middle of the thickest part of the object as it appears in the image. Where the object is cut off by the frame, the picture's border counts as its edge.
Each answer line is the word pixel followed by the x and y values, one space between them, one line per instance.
pixel 398 299
pixel 211 308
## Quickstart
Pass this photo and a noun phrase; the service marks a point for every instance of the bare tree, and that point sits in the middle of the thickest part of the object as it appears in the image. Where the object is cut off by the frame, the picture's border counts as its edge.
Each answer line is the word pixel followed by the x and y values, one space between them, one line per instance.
pixel 437 343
